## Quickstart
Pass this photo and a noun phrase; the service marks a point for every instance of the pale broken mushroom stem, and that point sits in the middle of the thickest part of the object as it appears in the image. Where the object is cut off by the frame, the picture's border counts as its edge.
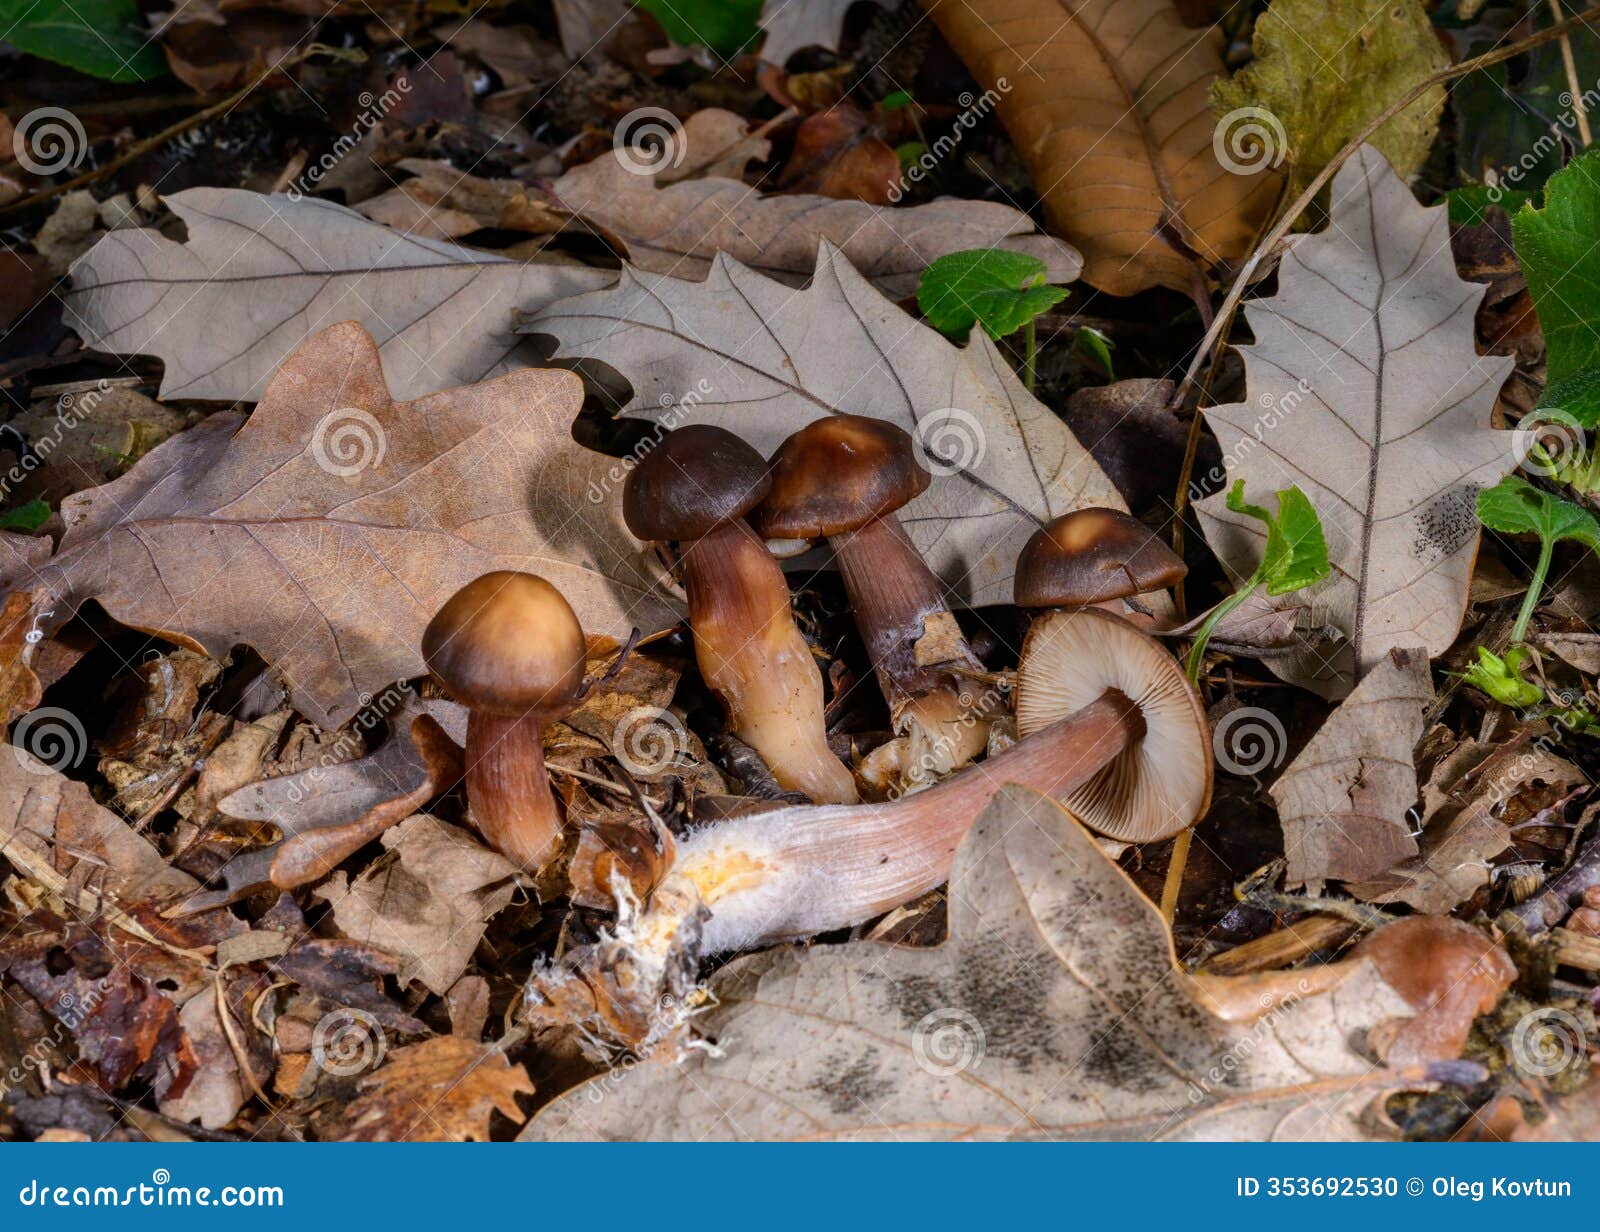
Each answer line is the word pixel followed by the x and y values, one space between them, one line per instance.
pixel 1125 751
pixel 694 489
pixel 843 478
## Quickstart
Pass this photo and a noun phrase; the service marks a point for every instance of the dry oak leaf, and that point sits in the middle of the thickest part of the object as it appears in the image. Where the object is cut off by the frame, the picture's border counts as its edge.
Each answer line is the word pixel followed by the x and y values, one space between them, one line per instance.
pixel 260 274
pixel 1054 1010
pixel 761 359
pixel 327 528
pixel 793 24
pixel 1343 801
pixel 1364 387
pixel 1108 102
pixel 680 228
pixel 441 1090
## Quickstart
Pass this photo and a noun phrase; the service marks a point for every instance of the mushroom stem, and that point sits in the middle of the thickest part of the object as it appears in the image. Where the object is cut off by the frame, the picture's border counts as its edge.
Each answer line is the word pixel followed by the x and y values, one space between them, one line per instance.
pixel 509 790
pixel 755 660
pixel 893 596
pixel 801 871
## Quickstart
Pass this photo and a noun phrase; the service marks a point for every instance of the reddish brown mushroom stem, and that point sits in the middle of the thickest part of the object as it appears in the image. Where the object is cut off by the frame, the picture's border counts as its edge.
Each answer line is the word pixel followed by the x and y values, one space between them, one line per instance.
pixel 756 661
pixel 509 787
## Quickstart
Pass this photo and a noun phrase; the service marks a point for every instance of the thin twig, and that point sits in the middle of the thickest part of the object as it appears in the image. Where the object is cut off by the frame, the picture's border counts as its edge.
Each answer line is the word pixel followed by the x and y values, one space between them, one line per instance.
pixel 1579 111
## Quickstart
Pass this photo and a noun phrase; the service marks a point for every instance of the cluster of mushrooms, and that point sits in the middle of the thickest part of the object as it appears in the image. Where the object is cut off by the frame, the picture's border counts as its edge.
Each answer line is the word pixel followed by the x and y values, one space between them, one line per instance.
pixel 1105 721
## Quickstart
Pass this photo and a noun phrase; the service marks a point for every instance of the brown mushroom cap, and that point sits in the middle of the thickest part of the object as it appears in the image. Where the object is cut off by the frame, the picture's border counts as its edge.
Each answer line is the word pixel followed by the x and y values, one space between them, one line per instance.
pixel 1160 783
pixel 507 643
pixel 695 479
pixel 1091 556
pixel 837 474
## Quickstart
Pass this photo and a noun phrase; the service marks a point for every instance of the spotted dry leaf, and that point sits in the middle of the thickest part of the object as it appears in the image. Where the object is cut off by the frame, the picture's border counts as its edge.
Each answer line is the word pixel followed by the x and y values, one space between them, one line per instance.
pixel 259 274
pixel 1364 387
pixel 762 359
pixel 328 528
pixel 1054 1010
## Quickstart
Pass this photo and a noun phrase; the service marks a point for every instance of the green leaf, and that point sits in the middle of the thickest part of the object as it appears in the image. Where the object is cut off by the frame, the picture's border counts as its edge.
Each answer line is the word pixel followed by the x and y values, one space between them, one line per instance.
pixel 1502 679
pixel 1515 507
pixel 104 38
pixel 1098 347
pixel 1561 261
pixel 28 517
pixel 727 27
pixel 908 152
pixel 895 100
pixel 1470 204
pixel 1576 397
pixel 1000 290
pixel 1297 553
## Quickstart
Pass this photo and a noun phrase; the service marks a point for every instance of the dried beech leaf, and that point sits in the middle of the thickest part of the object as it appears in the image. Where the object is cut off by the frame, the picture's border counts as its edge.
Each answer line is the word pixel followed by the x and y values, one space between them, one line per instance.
pixel 1054 1010
pixel 261 274
pixel 762 359
pixel 1380 410
pixel 1343 801
pixel 1109 104
pixel 441 1090
pixel 794 24
pixel 679 229
pixel 327 529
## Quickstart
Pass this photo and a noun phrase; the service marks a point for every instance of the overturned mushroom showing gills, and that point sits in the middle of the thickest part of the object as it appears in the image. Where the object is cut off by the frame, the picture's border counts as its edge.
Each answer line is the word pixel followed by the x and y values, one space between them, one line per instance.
pixel 509 648
pixel 1112 725
pixel 843 478
pixel 1093 556
pixel 694 489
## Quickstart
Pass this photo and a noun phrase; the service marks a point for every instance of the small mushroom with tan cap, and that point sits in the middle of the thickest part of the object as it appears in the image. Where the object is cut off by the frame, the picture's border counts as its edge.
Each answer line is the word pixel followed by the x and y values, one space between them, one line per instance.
pixel 1090 557
pixel 694 489
pixel 1114 731
pixel 843 478
pixel 509 648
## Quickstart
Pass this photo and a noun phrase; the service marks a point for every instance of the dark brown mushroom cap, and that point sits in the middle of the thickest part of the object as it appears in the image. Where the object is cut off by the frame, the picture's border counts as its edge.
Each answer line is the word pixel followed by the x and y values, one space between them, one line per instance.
pixel 695 479
pixel 1090 556
pixel 837 474
pixel 507 643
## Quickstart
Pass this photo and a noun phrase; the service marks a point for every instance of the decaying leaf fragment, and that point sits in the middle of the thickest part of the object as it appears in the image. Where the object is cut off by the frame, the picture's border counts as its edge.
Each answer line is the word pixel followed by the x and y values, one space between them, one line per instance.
pixel 327 529
pixel 1365 388
pixel 1343 801
pixel 761 359
pixel 1054 1010
pixel 441 1090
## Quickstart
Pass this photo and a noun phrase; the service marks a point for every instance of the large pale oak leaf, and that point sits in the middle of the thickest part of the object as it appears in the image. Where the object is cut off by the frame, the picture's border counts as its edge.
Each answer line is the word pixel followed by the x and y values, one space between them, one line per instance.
pixel 259 274
pixel 327 528
pixel 762 359
pixel 1365 388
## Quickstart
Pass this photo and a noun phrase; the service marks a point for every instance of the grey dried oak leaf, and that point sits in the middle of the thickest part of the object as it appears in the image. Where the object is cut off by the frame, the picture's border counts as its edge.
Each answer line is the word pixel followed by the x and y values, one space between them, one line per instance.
pixel 258 275
pixel 1054 1010
pixel 327 528
pixel 1365 388
pixel 762 359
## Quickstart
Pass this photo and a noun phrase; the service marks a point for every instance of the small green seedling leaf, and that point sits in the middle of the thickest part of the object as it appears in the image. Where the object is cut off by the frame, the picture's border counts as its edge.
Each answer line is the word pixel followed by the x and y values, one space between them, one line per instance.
pixel 908 152
pixel 1471 203
pixel 1296 557
pixel 1297 552
pixel 104 38
pixel 1515 507
pixel 999 290
pixel 1575 398
pixel 896 100
pixel 1501 678
pixel 727 27
pixel 27 517
pixel 1097 347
